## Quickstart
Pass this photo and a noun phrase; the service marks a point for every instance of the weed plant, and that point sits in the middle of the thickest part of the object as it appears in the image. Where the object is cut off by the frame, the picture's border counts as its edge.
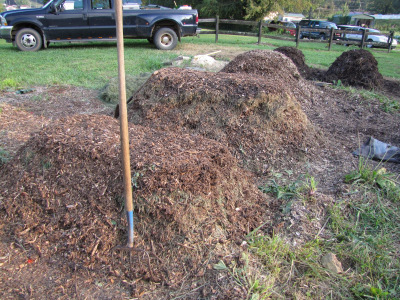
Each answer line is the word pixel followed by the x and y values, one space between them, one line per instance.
pixel 387 104
pixel 4 156
pixel 375 178
pixel 364 233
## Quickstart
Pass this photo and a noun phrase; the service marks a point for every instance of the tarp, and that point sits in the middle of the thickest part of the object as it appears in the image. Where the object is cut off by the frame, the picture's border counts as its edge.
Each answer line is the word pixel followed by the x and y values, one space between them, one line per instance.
pixel 378 150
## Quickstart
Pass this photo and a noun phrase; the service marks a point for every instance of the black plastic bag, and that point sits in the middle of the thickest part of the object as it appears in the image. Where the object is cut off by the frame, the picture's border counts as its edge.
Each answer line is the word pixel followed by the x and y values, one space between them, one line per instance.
pixel 378 150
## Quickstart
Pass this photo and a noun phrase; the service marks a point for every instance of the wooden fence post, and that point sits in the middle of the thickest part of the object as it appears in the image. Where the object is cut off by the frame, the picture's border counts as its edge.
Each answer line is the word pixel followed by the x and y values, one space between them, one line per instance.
pixel 297 36
pixel 216 28
pixel 390 41
pixel 363 38
pixel 331 39
pixel 259 32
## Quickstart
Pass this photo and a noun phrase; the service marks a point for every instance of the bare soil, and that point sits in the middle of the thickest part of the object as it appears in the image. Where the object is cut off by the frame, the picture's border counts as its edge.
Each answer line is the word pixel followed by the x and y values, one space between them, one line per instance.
pixel 201 144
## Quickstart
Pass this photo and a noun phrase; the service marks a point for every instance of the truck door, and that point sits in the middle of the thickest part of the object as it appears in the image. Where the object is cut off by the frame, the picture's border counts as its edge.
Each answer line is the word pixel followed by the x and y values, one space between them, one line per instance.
pixel 102 19
pixel 68 20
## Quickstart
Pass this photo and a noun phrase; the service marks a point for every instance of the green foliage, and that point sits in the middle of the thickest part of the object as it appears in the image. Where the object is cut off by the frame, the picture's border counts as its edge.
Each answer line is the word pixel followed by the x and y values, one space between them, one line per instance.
pixel 8 83
pixel 290 268
pixel 258 9
pixel 345 10
pixel 384 7
pixel 387 104
pixel 366 235
pixel 243 278
pixel 282 188
pixel 224 9
pixel 375 178
pixel 279 187
pixel 4 156
pixel 23 2
pixel 388 25
pixel 308 188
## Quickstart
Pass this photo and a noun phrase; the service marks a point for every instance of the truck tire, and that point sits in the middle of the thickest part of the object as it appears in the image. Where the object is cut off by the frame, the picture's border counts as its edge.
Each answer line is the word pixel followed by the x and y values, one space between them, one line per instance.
pixel 28 39
pixel 369 41
pixel 165 39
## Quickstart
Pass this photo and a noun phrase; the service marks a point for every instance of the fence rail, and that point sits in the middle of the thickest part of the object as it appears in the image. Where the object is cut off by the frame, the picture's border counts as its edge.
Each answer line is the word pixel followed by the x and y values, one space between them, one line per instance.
pixel 329 36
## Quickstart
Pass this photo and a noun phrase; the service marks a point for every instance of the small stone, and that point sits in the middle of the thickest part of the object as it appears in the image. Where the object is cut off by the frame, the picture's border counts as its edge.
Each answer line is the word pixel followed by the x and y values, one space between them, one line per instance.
pixel 331 262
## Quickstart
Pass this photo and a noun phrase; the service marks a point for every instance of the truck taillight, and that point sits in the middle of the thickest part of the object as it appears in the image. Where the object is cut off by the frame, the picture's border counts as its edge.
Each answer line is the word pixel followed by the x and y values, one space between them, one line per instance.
pixel 197 19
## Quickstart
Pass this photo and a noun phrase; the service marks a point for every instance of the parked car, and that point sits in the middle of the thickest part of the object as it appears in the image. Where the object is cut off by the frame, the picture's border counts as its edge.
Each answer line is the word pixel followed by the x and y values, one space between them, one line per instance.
pixel 315 24
pixel 382 40
pixel 291 25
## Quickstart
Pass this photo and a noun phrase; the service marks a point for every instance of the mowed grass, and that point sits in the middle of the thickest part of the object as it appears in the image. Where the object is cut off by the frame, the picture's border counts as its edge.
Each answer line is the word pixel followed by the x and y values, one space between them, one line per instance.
pixel 93 65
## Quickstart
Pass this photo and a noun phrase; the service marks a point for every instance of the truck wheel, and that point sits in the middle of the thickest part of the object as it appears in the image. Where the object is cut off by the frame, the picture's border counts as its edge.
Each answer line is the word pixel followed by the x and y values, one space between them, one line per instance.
pixel 28 39
pixel 165 39
pixel 369 41
pixel 322 37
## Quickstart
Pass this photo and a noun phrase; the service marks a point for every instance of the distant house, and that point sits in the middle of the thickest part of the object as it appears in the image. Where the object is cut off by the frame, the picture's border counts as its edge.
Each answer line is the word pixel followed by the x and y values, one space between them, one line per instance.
pixel 362 20
pixel 355 18
pixel 271 16
pixel 11 7
pixel 291 17
pixel 285 17
pixel 386 17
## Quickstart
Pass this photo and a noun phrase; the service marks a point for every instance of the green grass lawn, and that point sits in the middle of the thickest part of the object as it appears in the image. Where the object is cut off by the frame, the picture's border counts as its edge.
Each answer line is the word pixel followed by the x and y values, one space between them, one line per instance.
pixel 93 65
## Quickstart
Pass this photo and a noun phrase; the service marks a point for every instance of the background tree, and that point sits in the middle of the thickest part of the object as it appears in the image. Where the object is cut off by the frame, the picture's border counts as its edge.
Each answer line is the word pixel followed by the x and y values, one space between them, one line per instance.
pixel 23 2
pixel 258 9
pixel 225 9
pixel 384 6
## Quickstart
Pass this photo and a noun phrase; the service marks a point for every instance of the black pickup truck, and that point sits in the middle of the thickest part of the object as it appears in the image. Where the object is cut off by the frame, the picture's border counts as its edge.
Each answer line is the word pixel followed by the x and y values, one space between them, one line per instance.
pixel 89 20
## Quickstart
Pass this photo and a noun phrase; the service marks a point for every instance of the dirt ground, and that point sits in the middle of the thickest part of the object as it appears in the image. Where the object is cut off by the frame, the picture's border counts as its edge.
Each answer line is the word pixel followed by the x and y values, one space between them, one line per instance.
pixel 195 180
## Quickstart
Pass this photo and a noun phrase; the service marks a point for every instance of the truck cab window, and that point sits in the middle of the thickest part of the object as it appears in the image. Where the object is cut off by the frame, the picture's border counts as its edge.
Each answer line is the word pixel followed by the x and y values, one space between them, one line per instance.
pixel 101 4
pixel 73 5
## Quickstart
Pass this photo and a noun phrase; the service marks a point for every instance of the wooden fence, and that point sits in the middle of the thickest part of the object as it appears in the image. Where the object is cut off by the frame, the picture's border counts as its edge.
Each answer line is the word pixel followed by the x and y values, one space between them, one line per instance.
pixel 331 36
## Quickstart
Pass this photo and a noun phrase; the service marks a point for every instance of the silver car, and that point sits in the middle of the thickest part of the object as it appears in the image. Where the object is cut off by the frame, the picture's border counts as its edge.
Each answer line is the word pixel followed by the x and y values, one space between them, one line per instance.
pixel 380 41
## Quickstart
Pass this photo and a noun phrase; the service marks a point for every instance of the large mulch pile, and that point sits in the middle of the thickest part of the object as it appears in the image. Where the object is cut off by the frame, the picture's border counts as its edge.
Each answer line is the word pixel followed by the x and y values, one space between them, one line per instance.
pixel 357 68
pixel 63 197
pixel 260 120
pixel 297 58
pixel 276 68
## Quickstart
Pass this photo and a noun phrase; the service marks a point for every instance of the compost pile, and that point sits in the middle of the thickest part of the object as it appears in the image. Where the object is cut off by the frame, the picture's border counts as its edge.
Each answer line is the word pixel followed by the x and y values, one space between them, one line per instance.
pixel 357 68
pixel 276 68
pixel 259 120
pixel 63 191
pixel 297 58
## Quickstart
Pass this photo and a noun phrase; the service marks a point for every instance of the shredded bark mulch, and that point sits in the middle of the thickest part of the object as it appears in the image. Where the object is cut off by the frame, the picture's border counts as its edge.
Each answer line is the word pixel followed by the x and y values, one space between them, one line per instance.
pixel 259 119
pixel 63 190
pixel 357 68
pixel 297 58
pixel 275 68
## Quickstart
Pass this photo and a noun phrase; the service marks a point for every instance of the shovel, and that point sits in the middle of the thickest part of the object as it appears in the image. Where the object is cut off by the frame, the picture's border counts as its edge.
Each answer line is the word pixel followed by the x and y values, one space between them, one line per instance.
pixel 124 129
